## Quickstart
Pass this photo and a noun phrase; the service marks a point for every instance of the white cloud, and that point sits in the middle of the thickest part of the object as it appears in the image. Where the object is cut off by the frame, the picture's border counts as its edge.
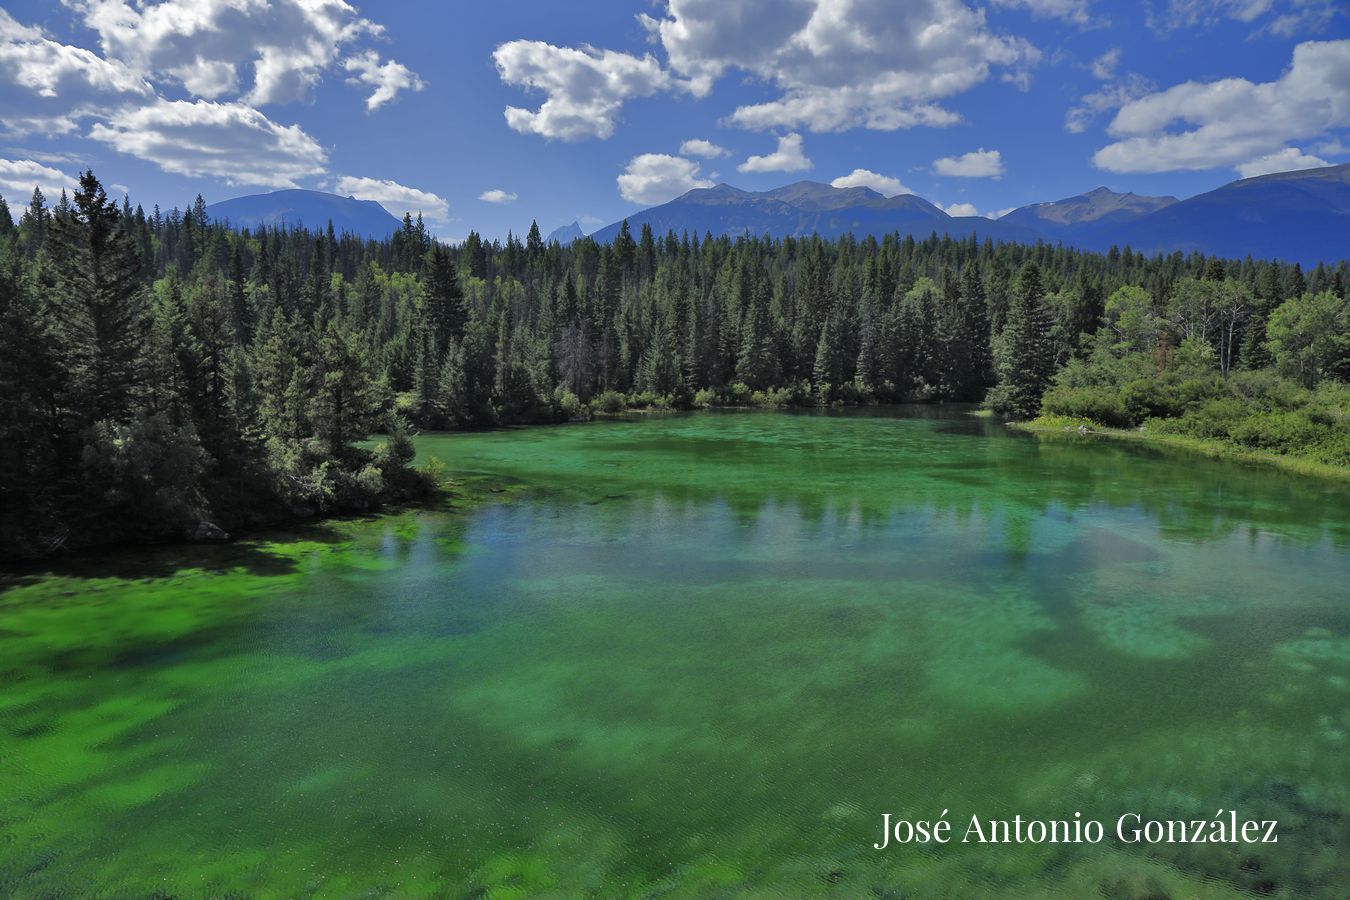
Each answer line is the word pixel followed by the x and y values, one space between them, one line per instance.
pixel 1287 160
pixel 705 149
pixel 388 78
pixel 959 209
pixel 980 163
pixel 48 86
pixel 1104 66
pixel 653 178
pixel 230 141
pixel 1307 17
pixel 1290 17
pixel 1332 147
pixel 207 46
pixel 1075 11
pixel 839 65
pixel 396 198
pixel 787 158
pixel 586 87
pixel 18 177
pixel 497 195
pixel 1234 120
pixel 882 184
pixel 1109 97
pixel 970 209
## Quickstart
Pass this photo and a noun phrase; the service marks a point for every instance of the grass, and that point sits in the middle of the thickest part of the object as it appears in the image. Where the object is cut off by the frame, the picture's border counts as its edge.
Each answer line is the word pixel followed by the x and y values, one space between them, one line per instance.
pixel 1213 448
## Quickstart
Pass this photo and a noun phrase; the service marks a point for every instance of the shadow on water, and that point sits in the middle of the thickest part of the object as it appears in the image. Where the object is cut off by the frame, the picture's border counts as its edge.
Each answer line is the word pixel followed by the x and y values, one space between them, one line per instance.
pixel 251 553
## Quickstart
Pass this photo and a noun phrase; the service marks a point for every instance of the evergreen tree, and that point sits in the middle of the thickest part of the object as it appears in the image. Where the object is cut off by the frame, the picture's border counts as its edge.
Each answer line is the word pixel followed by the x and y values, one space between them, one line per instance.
pixel 1025 354
pixel 98 299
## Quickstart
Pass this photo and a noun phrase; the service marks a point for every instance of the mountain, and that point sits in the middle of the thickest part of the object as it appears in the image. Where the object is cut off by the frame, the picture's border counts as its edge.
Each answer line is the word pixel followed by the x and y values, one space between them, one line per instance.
pixel 808 207
pixel 1097 211
pixel 1301 216
pixel 313 209
pixel 565 234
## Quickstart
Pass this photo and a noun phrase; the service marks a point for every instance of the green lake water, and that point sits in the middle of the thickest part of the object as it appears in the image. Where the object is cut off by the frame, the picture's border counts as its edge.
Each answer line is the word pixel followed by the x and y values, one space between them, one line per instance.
pixel 698 656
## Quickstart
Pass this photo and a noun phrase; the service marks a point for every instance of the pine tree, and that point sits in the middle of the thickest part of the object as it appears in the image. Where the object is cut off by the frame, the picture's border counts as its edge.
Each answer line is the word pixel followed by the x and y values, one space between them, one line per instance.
pixel 757 364
pixel 99 301
pixel 1025 353
pixel 446 310
pixel 348 399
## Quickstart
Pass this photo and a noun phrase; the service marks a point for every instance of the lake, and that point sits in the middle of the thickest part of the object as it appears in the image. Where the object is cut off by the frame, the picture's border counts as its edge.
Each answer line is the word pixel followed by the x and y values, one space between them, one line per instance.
pixel 702 655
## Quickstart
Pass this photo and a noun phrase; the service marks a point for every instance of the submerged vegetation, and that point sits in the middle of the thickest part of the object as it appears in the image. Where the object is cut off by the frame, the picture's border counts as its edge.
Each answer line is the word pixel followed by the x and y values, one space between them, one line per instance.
pixel 160 371
pixel 701 656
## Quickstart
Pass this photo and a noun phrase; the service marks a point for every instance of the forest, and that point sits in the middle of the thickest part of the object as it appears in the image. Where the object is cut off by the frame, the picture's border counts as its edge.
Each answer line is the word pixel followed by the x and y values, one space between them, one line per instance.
pixel 163 376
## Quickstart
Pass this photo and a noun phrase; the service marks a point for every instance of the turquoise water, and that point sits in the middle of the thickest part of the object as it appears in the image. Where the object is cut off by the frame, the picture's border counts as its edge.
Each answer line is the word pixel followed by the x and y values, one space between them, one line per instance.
pixel 701 655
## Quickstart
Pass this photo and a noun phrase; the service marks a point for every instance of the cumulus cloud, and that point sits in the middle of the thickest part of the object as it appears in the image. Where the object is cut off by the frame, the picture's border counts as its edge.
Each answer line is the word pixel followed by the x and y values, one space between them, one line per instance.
pixel 882 184
pixel 657 177
pixel 18 177
pixel 497 195
pixel 209 46
pixel 586 88
pixel 787 158
pixel 958 209
pixel 388 78
pixel 1233 121
pixel 705 149
pixel 1287 160
pixel 49 86
pixel 866 63
pixel 396 198
pixel 980 163
pixel 970 209
pixel 230 141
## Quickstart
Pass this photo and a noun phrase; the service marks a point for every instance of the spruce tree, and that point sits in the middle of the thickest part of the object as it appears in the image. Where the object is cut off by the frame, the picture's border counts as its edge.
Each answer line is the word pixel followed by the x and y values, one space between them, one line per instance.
pixel 1025 352
pixel 99 300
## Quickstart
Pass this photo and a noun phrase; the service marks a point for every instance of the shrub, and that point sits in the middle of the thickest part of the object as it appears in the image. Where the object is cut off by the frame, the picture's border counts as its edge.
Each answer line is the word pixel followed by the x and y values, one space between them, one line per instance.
pixel 609 402
pixel 1102 405
pixel 569 405
pixel 433 470
pixel 370 482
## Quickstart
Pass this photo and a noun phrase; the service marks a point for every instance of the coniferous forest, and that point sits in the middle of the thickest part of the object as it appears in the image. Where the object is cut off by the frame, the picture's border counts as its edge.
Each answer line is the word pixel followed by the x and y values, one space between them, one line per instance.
pixel 163 376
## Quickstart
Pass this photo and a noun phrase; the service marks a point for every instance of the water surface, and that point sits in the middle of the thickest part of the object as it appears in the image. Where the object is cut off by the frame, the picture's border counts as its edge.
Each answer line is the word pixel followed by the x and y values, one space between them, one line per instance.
pixel 696 656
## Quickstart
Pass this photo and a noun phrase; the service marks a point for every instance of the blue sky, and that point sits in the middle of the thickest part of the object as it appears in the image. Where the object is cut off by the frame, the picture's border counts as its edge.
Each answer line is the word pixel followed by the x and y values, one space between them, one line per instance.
pixel 589 111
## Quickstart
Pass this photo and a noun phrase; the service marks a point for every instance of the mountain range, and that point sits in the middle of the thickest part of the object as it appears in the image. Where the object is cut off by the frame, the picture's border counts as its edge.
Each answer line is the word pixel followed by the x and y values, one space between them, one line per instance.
pixel 1301 216
pixel 311 209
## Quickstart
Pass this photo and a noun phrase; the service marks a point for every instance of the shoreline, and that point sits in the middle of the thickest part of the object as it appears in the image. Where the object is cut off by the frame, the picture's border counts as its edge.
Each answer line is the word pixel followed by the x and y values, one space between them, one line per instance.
pixel 1068 426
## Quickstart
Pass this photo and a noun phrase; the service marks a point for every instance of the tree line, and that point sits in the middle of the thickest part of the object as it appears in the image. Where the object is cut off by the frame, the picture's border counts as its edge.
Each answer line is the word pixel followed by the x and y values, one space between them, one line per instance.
pixel 162 370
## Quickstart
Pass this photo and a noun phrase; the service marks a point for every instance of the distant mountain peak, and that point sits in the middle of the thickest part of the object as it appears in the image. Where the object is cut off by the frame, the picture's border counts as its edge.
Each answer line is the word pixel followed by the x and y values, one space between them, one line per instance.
pixel 1101 204
pixel 296 208
pixel 565 234
pixel 803 208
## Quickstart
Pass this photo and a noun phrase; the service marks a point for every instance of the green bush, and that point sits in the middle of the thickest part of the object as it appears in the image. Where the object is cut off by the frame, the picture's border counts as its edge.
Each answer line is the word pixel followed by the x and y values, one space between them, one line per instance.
pixel 610 402
pixel 1102 405
pixel 370 482
pixel 569 406
pixel 433 470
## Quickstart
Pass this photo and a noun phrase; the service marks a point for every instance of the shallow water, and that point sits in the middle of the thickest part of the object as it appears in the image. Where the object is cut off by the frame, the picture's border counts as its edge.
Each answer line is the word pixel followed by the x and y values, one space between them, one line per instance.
pixel 702 655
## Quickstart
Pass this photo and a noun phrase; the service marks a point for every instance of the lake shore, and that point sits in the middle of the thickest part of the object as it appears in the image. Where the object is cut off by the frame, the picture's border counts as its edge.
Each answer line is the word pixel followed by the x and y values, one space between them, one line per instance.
pixel 1068 426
